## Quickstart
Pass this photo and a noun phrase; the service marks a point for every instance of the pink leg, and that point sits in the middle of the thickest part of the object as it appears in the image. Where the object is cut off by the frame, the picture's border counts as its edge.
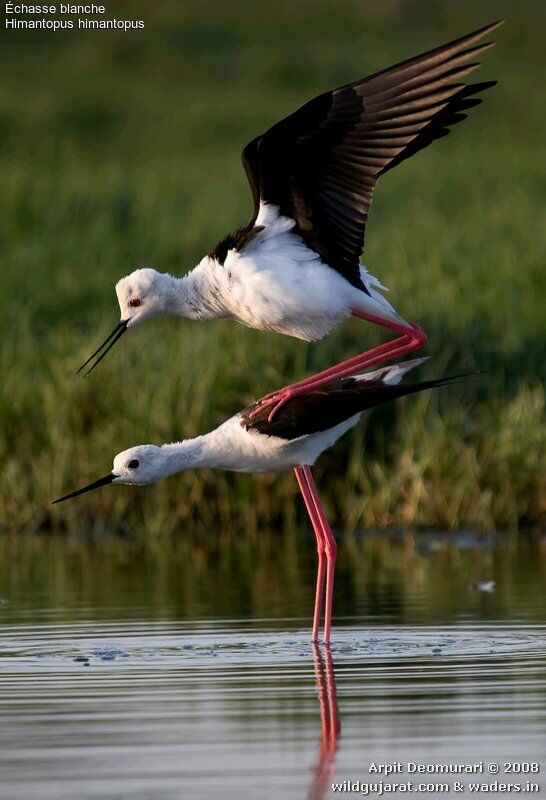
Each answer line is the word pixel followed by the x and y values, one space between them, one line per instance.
pixel 412 337
pixel 330 548
pixel 317 527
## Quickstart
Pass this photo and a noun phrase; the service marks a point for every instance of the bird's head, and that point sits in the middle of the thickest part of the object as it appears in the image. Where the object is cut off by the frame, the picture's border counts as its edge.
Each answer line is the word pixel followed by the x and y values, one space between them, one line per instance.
pixel 136 466
pixel 139 465
pixel 143 294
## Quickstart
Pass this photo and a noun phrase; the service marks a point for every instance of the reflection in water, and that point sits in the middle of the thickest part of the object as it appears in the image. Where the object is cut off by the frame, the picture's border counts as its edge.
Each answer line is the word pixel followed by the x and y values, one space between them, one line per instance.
pixel 330 725
pixel 402 577
pixel 186 671
pixel 146 709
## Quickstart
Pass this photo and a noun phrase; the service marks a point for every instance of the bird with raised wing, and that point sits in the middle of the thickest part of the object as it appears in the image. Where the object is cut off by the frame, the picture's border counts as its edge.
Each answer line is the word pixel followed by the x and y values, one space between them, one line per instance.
pixel 250 442
pixel 295 267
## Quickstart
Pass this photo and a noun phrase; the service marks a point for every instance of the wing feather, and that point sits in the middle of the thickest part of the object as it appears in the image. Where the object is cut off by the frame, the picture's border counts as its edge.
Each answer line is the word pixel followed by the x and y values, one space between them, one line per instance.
pixel 325 408
pixel 320 165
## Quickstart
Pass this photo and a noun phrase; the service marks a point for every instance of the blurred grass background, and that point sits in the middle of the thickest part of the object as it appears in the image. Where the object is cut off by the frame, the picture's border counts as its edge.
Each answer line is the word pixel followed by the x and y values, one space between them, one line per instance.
pixel 120 150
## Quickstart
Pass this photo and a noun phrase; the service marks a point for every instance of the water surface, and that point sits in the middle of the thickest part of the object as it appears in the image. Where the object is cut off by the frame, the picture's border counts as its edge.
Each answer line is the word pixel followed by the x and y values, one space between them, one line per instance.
pixel 186 671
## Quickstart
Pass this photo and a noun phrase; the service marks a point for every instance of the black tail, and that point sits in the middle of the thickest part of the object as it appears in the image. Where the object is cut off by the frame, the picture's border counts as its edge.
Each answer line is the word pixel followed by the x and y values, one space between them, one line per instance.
pixel 325 408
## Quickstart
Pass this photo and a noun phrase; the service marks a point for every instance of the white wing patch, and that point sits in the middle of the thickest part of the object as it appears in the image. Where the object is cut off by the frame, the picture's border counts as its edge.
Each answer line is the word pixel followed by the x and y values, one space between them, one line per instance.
pixel 390 375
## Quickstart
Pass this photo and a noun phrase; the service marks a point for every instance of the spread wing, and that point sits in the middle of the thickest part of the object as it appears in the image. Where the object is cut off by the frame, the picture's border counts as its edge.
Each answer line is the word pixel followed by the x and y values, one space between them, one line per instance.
pixel 320 164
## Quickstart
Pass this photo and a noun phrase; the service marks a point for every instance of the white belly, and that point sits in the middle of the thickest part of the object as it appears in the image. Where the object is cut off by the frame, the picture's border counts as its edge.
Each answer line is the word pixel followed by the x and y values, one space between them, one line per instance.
pixel 286 289
pixel 276 283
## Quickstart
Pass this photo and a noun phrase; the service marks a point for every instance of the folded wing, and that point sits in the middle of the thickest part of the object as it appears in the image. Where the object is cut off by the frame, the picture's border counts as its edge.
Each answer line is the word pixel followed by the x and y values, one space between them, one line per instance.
pixel 323 409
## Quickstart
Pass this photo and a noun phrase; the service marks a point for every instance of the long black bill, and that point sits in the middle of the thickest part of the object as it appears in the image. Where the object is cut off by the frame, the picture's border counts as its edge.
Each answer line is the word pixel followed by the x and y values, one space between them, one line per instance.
pixel 110 340
pixel 95 485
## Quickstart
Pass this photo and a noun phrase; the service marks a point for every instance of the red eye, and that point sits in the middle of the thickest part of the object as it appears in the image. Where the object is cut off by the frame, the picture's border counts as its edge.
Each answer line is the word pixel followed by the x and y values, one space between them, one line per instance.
pixel 134 303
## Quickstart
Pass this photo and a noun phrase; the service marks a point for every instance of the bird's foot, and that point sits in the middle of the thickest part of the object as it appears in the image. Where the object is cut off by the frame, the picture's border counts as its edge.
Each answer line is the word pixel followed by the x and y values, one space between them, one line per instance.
pixel 275 401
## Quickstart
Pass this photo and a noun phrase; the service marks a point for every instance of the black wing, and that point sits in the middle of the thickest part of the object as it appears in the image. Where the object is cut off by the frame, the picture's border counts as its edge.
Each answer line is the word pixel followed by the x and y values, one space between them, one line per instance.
pixel 324 408
pixel 320 164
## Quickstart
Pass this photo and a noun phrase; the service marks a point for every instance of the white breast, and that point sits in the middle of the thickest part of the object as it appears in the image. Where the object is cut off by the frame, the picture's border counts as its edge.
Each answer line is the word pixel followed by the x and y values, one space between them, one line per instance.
pixel 277 283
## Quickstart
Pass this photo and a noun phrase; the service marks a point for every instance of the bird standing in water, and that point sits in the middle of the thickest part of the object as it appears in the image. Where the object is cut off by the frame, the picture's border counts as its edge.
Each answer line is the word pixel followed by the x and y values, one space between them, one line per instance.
pixel 250 442
pixel 295 267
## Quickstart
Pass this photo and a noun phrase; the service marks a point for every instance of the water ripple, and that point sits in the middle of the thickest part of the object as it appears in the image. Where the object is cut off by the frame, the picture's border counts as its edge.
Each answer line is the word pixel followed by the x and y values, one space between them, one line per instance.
pixel 203 709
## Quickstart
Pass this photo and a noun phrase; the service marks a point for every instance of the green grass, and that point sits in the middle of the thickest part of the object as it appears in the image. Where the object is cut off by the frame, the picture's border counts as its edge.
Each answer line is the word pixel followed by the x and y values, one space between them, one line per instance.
pixel 122 150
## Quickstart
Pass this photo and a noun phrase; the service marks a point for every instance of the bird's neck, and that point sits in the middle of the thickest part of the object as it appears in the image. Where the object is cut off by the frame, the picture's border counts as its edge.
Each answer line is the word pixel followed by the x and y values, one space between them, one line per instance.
pixel 189 454
pixel 198 295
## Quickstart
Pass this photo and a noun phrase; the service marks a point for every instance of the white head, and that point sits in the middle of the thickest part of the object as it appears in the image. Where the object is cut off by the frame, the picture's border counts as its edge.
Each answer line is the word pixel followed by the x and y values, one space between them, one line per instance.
pixel 139 465
pixel 143 294
pixel 147 463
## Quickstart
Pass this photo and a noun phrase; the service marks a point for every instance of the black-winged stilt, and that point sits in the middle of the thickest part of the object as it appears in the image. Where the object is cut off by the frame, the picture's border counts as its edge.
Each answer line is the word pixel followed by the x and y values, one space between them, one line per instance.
pixel 295 267
pixel 250 442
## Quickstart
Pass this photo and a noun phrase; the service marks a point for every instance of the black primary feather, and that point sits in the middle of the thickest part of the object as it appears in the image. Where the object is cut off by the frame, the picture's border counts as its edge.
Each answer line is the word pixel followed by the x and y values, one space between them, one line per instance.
pixel 325 408
pixel 320 165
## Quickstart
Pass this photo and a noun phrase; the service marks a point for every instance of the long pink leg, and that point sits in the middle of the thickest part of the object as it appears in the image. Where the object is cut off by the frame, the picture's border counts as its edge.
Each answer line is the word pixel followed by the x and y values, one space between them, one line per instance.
pixel 412 337
pixel 321 550
pixel 331 552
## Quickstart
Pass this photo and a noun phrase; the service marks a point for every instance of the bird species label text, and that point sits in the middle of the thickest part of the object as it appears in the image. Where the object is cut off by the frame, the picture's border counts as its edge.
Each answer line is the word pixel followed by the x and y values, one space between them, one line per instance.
pixel 84 14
